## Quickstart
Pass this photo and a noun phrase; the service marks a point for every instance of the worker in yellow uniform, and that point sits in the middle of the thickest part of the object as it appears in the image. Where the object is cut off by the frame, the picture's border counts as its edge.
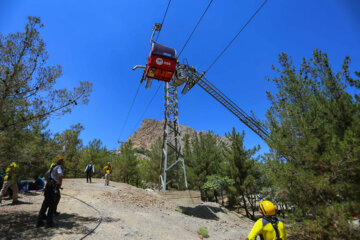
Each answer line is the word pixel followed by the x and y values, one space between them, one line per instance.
pixel 108 171
pixel 10 182
pixel 268 227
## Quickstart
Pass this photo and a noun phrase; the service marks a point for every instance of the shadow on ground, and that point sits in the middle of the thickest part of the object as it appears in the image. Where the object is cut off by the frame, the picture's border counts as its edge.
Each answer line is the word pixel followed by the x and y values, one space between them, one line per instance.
pixel 201 211
pixel 21 225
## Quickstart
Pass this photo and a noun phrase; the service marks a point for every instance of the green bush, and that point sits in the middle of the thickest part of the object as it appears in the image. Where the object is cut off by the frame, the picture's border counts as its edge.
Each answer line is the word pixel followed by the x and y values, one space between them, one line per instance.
pixel 203 232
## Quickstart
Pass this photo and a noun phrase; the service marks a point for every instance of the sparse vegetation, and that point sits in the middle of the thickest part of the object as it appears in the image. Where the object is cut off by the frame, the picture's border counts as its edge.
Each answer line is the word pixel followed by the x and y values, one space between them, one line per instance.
pixel 203 232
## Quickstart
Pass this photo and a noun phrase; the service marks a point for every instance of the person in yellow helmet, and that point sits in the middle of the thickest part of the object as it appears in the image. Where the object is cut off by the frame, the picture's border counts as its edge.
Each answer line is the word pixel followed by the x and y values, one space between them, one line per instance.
pixel 268 227
pixel 108 171
pixel 10 182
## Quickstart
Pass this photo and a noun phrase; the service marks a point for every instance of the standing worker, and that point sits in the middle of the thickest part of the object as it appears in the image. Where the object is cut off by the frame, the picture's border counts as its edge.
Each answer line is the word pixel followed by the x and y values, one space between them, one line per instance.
pixel 108 171
pixel 54 178
pixel 10 182
pixel 268 227
pixel 90 169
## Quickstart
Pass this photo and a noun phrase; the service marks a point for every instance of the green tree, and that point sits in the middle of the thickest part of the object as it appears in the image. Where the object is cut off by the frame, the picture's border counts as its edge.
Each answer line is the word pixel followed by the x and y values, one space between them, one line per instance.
pixel 71 144
pixel 240 163
pixel 128 168
pixel 27 93
pixel 205 159
pixel 315 126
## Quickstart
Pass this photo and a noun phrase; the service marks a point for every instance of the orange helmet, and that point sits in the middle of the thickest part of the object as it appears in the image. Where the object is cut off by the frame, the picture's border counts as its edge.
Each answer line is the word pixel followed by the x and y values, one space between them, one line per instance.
pixel 267 208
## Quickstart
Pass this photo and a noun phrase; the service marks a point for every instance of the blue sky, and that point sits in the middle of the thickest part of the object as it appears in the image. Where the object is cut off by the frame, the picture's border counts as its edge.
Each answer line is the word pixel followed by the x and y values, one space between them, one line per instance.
pixel 100 41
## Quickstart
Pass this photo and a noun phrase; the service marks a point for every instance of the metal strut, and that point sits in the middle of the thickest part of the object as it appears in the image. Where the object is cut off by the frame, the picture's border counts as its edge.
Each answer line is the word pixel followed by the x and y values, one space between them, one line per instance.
pixel 172 140
pixel 192 77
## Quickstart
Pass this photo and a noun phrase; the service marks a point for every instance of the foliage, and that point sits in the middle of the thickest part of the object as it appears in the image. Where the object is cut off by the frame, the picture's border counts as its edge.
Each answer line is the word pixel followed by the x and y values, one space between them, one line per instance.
pixel 240 167
pixel 203 160
pixel 217 185
pixel 203 232
pixel 315 128
pixel 28 97
pixel 127 165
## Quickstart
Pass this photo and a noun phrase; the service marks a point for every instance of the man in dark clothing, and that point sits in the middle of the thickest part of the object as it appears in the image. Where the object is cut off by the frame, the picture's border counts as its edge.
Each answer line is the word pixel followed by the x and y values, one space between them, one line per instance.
pixel 90 169
pixel 54 181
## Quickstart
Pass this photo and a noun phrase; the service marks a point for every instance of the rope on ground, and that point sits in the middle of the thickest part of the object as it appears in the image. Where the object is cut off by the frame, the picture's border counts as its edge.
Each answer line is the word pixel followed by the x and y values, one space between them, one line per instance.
pixel 99 221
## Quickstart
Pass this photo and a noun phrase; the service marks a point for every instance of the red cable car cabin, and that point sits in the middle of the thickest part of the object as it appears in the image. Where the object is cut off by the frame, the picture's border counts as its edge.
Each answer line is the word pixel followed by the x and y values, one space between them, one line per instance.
pixel 161 63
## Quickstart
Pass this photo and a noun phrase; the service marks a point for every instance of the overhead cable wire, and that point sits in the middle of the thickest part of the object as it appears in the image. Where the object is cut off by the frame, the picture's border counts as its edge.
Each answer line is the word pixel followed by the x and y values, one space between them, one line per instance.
pixel 147 106
pixel 195 28
pixel 128 114
pixel 222 52
pixel 162 22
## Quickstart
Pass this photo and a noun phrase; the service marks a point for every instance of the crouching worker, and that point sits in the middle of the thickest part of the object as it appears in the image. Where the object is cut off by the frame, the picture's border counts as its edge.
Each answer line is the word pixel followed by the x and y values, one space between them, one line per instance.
pixel 53 179
pixel 108 171
pixel 10 182
pixel 268 227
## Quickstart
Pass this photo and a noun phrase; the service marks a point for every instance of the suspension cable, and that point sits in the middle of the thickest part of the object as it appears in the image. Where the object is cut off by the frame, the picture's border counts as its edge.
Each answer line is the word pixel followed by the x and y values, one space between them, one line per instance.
pixel 146 108
pixel 222 52
pixel 195 28
pixel 128 114
pixel 162 22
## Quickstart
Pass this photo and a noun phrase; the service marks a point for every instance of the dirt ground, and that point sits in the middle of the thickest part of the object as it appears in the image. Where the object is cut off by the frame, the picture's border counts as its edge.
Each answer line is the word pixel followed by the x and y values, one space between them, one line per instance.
pixel 128 213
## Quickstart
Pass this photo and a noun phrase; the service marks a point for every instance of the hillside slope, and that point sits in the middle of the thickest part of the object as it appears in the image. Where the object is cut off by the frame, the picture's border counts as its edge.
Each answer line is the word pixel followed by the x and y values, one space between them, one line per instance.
pixel 151 130
pixel 128 213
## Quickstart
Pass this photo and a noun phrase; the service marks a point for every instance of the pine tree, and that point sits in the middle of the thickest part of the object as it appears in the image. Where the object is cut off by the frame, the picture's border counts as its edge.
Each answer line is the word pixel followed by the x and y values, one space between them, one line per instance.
pixel 315 127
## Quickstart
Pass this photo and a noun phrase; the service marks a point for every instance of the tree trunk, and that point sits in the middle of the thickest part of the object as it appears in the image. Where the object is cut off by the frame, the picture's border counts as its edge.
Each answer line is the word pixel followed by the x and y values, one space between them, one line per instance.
pixel 245 206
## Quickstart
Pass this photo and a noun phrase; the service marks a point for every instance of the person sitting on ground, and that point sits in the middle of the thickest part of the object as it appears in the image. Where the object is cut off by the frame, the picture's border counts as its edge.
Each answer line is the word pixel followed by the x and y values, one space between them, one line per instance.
pixel 90 169
pixel 10 182
pixel 268 227
pixel 108 171
pixel 53 178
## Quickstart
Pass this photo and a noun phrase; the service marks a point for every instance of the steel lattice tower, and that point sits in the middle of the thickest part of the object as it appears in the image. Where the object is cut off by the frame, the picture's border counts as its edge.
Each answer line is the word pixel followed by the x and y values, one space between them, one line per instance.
pixel 172 139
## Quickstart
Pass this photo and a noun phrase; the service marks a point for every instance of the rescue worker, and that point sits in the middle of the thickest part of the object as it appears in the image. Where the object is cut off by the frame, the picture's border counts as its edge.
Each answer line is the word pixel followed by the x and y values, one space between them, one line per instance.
pixel 108 171
pixel 10 182
pixel 268 227
pixel 90 169
pixel 53 178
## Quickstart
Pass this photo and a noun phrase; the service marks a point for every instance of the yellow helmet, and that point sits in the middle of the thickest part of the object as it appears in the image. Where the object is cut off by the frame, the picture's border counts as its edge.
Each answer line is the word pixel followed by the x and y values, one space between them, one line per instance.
pixel 267 208
pixel 108 163
pixel 59 157
pixel 14 165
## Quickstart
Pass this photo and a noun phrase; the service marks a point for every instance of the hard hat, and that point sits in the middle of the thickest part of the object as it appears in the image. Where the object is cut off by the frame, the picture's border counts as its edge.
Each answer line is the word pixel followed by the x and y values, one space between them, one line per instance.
pixel 267 208
pixel 108 163
pixel 59 157
pixel 13 164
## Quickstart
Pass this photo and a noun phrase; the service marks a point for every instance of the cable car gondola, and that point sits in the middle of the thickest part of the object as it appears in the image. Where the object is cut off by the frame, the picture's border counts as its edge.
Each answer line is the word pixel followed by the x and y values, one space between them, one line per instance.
pixel 161 63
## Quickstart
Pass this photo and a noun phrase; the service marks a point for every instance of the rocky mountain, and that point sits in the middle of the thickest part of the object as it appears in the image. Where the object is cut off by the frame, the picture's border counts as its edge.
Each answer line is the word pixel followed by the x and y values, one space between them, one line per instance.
pixel 151 130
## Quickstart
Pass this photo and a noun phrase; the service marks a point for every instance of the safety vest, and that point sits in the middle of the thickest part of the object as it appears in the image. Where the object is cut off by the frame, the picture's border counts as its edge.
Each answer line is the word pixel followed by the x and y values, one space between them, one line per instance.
pixel 108 169
pixel 11 172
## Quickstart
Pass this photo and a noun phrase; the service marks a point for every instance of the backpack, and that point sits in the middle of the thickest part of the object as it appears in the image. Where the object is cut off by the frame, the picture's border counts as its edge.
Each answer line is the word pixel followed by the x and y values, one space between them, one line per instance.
pixel 274 222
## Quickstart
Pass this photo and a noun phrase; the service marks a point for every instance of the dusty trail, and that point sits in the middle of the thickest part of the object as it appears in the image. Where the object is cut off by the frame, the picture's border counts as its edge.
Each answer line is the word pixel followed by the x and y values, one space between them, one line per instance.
pixel 128 213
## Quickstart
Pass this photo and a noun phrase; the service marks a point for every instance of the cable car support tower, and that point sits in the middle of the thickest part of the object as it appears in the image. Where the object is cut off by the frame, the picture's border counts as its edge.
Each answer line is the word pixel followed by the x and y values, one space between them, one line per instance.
pixel 182 73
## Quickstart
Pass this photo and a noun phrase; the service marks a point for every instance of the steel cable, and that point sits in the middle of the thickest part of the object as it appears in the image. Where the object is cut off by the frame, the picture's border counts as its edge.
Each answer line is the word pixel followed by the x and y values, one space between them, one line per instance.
pixel 146 108
pixel 222 52
pixel 162 22
pixel 195 28
pixel 132 104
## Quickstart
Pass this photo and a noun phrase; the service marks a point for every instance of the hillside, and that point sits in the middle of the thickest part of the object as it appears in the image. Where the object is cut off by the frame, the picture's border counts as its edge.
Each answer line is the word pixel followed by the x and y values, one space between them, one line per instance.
pixel 127 213
pixel 151 130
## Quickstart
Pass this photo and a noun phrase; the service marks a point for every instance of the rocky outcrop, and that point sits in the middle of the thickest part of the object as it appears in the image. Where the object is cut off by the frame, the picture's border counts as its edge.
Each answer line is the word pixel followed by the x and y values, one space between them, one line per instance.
pixel 151 130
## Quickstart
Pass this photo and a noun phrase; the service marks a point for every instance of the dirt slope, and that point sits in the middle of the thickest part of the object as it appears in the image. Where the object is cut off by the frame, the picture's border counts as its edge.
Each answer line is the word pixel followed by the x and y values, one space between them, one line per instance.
pixel 128 213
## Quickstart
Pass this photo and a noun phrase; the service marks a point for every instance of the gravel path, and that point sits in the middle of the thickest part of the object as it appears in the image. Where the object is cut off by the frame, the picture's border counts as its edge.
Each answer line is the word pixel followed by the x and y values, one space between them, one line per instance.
pixel 128 213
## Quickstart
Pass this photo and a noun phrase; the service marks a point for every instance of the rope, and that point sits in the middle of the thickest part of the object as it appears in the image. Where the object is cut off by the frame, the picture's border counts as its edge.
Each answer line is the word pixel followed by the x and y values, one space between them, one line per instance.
pixel 195 28
pixel 251 18
pixel 99 221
